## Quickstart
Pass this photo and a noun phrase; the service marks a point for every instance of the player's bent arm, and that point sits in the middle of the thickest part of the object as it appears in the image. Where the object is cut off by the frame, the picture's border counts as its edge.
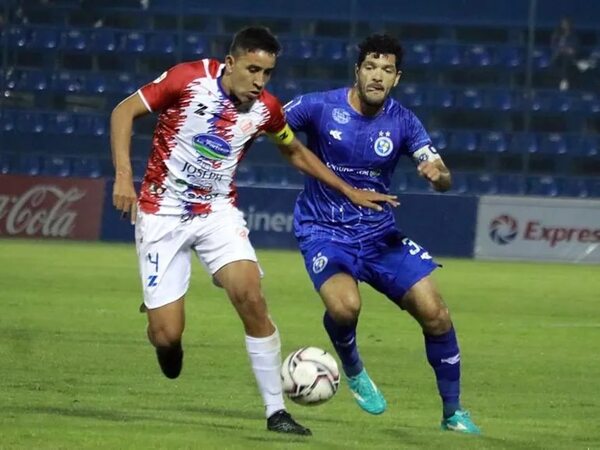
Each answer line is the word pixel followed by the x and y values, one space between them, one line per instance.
pixel 121 124
pixel 437 174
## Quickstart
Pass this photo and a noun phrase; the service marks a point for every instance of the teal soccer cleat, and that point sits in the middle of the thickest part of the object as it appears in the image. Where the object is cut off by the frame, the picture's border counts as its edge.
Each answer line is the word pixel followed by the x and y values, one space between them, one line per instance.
pixel 460 421
pixel 366 394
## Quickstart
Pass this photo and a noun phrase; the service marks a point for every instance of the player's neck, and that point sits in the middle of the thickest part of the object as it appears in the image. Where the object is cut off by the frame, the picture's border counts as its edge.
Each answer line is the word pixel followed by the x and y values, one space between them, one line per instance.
pixel 361 107
pixel 225 84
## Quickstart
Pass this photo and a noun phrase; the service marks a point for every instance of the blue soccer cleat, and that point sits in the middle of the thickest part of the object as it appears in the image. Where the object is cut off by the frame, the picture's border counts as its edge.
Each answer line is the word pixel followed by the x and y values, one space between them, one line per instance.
pixel 366 394
pixel 460 421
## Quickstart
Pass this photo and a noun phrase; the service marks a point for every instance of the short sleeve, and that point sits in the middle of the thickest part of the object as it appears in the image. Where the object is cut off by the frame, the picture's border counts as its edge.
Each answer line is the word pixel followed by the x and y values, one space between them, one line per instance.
pixel 166 89
pixel 416 135
pixel 299 112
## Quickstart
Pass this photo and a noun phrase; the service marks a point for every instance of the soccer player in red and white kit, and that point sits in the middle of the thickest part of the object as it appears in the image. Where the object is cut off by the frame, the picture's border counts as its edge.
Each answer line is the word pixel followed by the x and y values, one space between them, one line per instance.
pixel 209 114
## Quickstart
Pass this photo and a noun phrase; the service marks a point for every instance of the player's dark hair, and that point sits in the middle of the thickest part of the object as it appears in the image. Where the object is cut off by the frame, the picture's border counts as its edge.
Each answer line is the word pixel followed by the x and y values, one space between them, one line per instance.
pixel 250 39
pixel 380 44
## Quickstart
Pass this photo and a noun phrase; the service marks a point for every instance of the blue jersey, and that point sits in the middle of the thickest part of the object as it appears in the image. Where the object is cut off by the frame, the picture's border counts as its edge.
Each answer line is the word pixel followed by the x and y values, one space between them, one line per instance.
pixel 364 151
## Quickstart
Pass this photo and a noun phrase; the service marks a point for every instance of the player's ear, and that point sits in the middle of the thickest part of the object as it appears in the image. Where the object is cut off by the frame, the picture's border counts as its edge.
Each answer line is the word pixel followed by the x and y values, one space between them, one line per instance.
pixel 229 62
pixel 398 76
pixel 356 69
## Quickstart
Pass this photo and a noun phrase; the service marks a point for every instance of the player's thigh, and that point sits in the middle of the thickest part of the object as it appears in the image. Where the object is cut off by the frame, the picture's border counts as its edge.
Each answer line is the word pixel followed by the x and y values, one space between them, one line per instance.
pixel 163 246
pixel 324 259
pixel 341 297
pixel 396 267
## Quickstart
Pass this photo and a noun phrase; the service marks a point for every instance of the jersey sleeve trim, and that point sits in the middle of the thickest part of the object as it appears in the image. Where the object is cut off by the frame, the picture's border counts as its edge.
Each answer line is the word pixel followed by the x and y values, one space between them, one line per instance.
pixel 144 101
pixel 285 136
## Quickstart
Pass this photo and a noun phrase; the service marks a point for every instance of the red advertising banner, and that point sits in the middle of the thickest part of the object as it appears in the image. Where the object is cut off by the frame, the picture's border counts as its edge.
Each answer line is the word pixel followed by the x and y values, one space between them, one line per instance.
pixel 45 207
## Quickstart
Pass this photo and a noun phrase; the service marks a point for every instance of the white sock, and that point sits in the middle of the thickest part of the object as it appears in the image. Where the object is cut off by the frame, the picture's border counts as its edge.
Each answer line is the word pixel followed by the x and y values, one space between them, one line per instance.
pixel 265 357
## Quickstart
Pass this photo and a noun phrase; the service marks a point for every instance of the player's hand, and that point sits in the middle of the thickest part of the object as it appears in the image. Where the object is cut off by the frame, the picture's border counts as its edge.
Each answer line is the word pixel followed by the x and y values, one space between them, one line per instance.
pixel 371 199
pixel 429 171
pixel 124 197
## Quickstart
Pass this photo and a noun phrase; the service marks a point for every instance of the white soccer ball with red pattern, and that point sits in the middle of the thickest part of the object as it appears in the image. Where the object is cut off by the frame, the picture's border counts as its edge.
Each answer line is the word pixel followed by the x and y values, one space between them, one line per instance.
pixel 310 376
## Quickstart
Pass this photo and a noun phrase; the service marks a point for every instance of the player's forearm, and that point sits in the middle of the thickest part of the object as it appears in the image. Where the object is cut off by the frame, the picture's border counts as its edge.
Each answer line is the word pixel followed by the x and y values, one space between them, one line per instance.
pixel 121 123
pixel 305 161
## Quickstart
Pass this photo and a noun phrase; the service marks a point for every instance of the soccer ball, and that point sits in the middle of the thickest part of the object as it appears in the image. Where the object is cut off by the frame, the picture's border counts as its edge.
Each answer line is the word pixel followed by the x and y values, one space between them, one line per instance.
pixel 310 376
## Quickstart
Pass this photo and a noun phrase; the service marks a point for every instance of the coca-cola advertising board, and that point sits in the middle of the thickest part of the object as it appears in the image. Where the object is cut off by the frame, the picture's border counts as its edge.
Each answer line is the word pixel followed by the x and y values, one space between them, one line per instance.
pixel 45 207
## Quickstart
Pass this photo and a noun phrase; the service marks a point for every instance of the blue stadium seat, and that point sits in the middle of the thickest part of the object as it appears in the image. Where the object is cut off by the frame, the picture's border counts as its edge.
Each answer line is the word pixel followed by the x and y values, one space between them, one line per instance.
pixel 464 141
pixel 6 163
pixel 31 122
pixel 447 55
pixel 75 41
pixel 62 123
pixel 194 45
pixel 32 80
pixel 553 143
pixel 470 98
pixel 542 58
pixel 416 183
pixel 523 142
pixel 162 43
pixel 104 40
pixel 43 39
pixel 590 102
pixel 399 182
pixel 66 82
pixel 87 167
pixel 460 184
pixel 544 185
pixel 593 187
pixel 56 166
pixel 332 50
pixel 246 175
pixel 28 164
pixel 126 83
pixel 493 142
pixel 509 57
pixel 478 56
pixel 510 184
pixel 134 42
pixel 97 83
pixel 438 139
pixel 411 96
pixel 9 121
pixel 440 97
pixel 17 37
pixel 573 187
pixel 298 48
pixel 501 99
pixel 586 145
pixel 482 184
pixel 418 53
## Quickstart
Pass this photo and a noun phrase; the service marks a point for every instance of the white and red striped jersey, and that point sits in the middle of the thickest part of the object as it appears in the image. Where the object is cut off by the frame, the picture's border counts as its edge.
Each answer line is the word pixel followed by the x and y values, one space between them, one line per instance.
pixel 199 139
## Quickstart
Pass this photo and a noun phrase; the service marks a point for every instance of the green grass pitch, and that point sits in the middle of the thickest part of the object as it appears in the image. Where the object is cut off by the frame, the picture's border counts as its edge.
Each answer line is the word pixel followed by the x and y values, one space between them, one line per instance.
pixel 76 371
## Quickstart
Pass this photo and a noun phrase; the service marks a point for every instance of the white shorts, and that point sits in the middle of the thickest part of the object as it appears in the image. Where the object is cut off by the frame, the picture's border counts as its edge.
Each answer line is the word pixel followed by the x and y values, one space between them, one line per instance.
pixel 164 245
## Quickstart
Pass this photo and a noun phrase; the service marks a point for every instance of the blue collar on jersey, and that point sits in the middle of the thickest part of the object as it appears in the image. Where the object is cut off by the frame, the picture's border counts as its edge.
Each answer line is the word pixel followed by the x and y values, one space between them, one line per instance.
pixel 232 98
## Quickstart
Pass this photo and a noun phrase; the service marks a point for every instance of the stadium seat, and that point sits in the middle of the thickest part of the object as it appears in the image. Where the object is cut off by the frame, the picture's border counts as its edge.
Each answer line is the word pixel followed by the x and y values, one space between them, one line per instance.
pixel 438 139
pixel 593 187
pixel 411 96
pixel 447 55
pixel 32 80
pixel 162 43
pixel 246 175
pixel 418 54
pixel 500 99
pixel 493 142
pixel 134 42
pixel 510 184
pixel 572 187
pixel 66 82
pixel 31 122
pixel 542 58
pixel 482 184
pixel 586 145
pixel 298 48
pixel 97 83
pixel 75 41
pixel 56 166
pixel 553 143
pixel 43 39
pixel 590 102
pixel 470 99
pixel 523 142
pixel 126 83
pixel 460 183
pixel 6 163
pixel 104 40
pixel 440 97
pixel 194 45
pixel 87 167
pixel 478 56
pixel 545 185
pixel 27 164
pixel 463 141
pixel 332 50
pixel 416 183
pixel 509 57
pixel 17 37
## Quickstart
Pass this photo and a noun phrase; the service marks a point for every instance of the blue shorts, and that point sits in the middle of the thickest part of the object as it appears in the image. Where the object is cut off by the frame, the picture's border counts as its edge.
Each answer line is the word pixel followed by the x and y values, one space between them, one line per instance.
pixel 391 264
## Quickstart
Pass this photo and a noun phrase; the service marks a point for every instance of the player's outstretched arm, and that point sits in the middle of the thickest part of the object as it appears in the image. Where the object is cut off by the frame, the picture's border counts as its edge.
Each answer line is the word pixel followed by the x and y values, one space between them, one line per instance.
pixel 306 161
pixel 436 173
pixel 121 124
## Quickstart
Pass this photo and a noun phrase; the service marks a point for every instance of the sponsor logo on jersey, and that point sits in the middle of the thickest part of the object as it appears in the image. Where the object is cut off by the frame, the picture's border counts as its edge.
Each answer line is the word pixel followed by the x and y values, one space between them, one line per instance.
pixel 503 229
pixel 319 263
pixel 383 144
pixel 340 116
pixel 211 146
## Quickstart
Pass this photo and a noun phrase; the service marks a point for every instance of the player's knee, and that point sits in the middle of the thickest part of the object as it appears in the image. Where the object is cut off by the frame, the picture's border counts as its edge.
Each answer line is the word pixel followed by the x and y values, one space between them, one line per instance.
pixel 344 312
pixel 437 320
pixel 251 302
pixel 164 335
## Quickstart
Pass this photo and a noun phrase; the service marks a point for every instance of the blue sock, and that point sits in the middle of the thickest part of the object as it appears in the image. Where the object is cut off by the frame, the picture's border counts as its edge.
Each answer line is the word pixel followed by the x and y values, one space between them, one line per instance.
pixel 343 338
pixel 443 355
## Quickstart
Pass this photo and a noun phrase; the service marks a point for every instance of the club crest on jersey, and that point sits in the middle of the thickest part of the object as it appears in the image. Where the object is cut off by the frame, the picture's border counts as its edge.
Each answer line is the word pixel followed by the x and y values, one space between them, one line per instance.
pixel 319 263
pixel 211 146
pixel 383 144
pixel 340 116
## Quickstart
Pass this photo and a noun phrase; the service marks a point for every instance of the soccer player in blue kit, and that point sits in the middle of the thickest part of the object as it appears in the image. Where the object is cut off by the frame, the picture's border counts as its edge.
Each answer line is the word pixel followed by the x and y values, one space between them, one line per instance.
pixel 360 133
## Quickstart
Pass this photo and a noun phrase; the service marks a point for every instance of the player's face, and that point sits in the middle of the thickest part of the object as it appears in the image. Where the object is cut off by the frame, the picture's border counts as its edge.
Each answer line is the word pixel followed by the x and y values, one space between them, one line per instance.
pixel 249 73
pixel 376 77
